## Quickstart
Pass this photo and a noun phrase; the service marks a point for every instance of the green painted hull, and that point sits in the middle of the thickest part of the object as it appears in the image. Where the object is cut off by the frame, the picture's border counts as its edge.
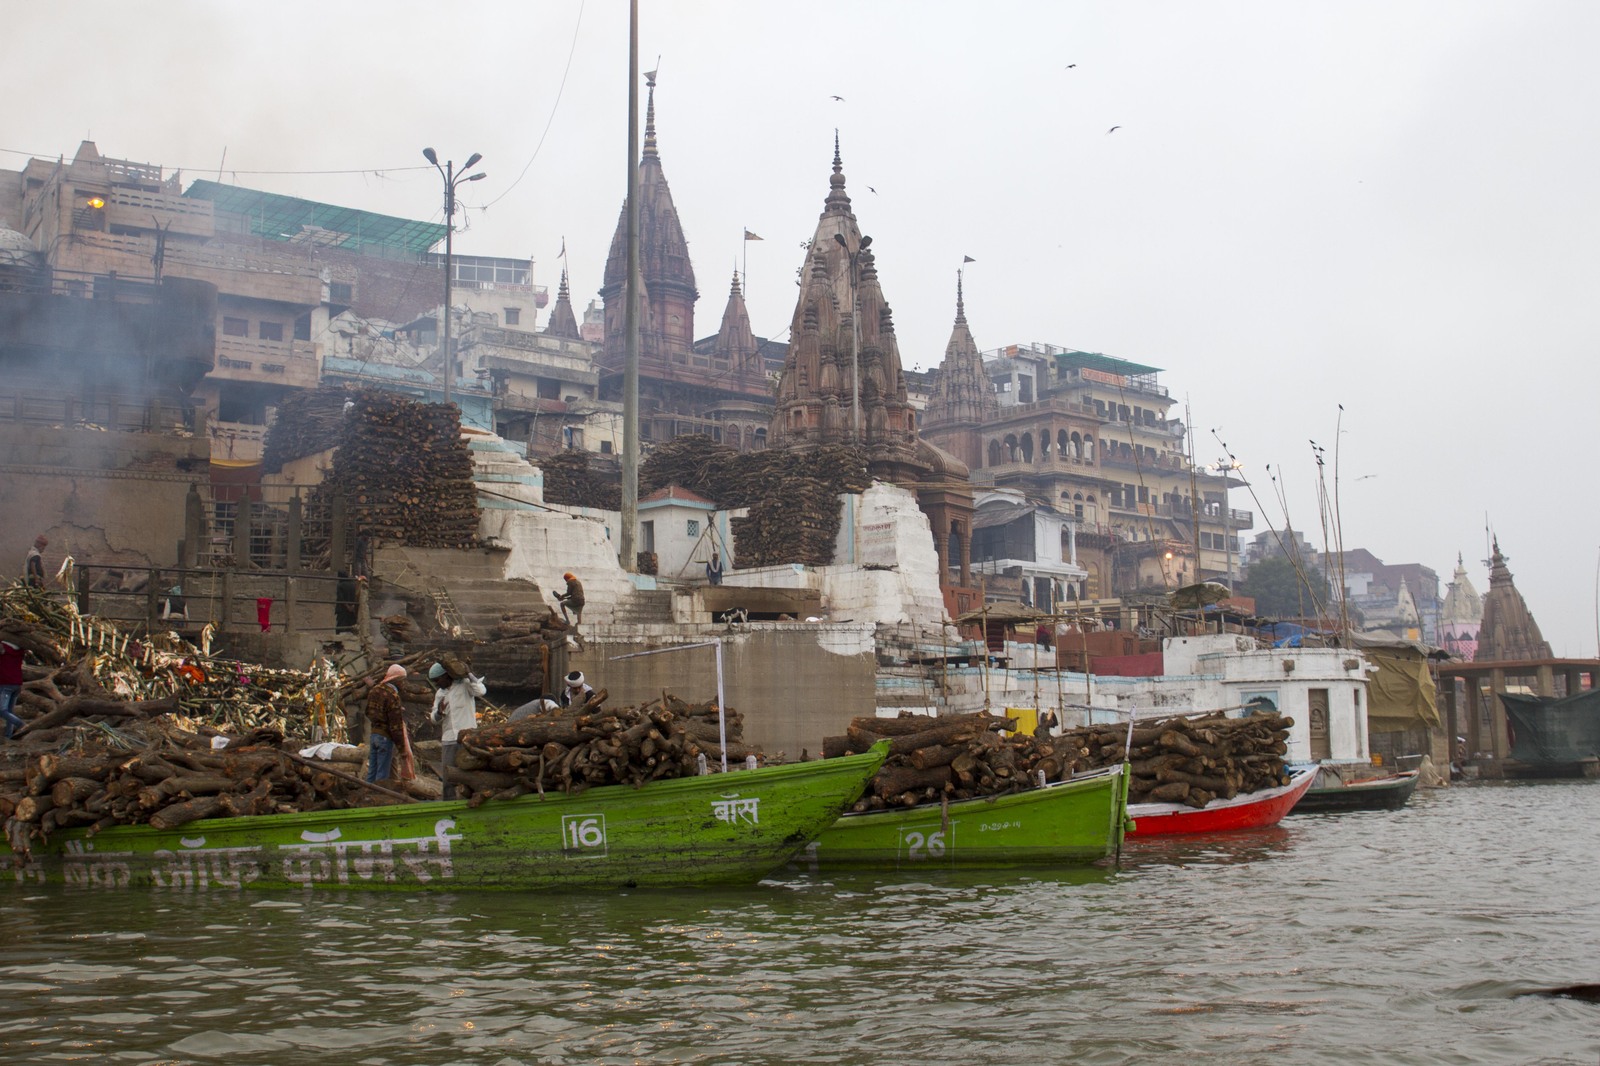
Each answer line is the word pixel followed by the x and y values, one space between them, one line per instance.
pixel 1070 822
pixel 718 829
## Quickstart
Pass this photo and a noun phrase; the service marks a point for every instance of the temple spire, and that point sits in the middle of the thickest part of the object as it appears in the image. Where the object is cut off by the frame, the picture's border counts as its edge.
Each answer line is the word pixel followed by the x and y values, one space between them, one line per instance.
pixel 961 307
pixel 650 116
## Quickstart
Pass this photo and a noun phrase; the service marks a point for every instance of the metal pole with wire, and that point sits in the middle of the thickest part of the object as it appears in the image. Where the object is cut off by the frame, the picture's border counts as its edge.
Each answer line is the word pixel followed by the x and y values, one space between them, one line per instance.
pixel 451 180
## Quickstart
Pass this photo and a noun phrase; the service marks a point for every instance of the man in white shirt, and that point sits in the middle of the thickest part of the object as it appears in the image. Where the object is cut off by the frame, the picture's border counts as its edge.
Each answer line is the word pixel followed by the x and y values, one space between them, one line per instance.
pixel 457 701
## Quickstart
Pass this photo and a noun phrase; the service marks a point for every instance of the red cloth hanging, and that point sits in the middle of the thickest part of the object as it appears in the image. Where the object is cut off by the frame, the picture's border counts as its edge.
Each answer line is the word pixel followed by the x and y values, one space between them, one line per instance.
pixel 264 612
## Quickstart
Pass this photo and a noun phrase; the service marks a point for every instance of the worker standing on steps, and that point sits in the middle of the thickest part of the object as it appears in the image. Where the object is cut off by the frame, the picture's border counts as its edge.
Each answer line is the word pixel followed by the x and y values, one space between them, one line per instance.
pixel 572 599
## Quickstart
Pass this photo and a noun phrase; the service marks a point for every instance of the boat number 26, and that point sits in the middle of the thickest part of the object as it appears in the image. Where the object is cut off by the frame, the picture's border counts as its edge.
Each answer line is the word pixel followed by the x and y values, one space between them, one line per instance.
pixel 583 833
pixel 920 845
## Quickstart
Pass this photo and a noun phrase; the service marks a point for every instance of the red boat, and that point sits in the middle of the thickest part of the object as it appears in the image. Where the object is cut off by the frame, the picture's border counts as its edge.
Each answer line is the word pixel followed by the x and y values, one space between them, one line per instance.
pixel 1249 810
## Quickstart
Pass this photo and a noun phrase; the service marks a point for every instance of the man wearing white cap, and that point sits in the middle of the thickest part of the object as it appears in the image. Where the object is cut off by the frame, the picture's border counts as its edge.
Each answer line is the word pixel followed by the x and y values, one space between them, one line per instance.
pixel 577 691
pixel 385 716
pixel 457 701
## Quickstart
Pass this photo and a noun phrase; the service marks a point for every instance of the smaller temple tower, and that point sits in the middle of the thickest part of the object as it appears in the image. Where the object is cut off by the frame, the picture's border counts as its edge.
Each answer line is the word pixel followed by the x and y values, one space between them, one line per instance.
pixel 1461 616
pixel 963 398
pixel 563 322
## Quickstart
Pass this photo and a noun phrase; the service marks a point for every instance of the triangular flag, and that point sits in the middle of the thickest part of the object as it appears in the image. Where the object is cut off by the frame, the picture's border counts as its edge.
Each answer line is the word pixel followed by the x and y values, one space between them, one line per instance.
pixel 750 236
pixel 968 259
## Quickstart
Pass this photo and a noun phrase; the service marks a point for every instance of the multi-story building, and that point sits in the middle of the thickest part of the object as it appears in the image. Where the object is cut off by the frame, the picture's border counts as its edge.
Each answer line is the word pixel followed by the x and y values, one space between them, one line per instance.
pixel 1092 437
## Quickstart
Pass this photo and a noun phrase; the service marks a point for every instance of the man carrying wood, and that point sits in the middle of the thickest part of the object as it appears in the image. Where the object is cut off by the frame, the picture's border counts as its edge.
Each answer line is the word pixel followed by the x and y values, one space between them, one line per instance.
pixel 572 599
pixel 457 700
pixel 577 691
pixel 384 714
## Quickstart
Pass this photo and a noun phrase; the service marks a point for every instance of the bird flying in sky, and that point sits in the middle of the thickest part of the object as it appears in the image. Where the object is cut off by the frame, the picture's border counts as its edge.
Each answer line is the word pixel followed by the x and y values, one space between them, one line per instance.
pixel 838 98
pixel 1071 65
pixel 1113 129
pixel 872 190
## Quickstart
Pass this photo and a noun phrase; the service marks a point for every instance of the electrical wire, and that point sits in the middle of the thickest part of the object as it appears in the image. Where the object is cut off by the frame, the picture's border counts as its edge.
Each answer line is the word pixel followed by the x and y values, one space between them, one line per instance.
pixel 572 51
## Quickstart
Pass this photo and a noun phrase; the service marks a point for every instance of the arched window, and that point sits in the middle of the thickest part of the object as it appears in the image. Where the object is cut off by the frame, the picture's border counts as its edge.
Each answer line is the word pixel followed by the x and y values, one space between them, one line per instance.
pixel 1061 444
pixel 1011 447
pixel 761 437
pixel 1027 447
pixel 1044 445
pixel 995 458
pixel 735 438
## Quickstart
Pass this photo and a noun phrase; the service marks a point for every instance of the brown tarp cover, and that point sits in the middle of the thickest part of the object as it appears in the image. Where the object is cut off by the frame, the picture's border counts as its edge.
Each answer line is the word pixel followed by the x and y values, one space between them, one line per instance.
pixel 1401 694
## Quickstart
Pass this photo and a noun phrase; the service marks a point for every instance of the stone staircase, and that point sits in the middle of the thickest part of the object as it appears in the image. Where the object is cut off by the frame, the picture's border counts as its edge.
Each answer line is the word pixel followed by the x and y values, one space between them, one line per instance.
pixel 478 592
pixel 652 607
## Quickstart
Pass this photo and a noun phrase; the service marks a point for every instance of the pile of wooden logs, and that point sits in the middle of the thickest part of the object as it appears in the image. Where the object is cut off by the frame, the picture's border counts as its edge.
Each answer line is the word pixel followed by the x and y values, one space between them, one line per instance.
pixel 963 756
pixel 579 479
pixel 746 479
pixel 81 669
pixel 575 748
pixel 173 778
pixel 404 472
pixel 1188 760
pixel 957 756
pixel 308 421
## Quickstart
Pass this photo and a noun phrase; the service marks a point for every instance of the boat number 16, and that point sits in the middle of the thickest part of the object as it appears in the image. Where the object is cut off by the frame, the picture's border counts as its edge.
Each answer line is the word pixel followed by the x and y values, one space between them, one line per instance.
pixel 920 846
pixel 583 832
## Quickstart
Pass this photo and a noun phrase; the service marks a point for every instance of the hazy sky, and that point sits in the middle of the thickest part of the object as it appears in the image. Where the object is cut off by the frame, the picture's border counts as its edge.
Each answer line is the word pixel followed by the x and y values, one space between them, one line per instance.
pixel 1390 206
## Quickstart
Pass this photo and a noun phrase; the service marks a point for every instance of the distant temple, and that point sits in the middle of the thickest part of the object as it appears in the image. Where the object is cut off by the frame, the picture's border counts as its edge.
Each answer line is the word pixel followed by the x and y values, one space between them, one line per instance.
pixel 1461 615
pixel 1508 632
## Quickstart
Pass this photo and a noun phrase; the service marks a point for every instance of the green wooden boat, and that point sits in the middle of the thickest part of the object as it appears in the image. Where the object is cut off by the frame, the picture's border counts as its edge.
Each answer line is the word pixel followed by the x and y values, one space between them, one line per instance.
pixel 714 829
pixel 1068 822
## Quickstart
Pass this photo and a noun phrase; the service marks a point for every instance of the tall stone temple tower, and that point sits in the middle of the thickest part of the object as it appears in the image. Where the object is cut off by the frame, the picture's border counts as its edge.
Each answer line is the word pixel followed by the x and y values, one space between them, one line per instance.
pixel 1508 632
pixel 827 357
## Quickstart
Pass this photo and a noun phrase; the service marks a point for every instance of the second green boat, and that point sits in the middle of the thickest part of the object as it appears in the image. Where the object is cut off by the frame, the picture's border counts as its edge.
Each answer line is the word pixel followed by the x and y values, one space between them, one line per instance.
pixel 1071 822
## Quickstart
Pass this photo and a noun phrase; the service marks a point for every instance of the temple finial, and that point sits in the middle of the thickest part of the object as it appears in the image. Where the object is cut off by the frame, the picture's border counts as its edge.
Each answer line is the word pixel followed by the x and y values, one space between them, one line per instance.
pixel 838 165
pixel 961 306
pixel 650 116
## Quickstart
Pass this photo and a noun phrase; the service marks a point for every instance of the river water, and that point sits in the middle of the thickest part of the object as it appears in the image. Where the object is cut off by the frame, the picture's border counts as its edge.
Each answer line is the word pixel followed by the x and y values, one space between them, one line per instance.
pixel 1363 937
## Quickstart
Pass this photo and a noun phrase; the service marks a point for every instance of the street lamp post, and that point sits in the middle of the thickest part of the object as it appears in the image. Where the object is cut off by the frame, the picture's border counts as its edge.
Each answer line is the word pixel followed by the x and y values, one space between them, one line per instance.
pixel 451 180
pixel 855 329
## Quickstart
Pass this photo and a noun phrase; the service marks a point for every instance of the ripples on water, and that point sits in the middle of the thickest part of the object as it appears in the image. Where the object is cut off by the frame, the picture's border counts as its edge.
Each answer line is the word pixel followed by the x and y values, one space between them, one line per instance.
pixel 1382 937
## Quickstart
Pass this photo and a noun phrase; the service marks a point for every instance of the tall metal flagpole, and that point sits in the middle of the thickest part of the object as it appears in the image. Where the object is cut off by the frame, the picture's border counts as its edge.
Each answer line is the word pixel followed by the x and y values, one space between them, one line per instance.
pixel 630 371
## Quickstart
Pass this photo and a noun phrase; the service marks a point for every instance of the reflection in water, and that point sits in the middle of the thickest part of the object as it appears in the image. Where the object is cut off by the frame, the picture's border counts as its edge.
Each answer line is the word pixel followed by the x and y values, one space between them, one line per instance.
pixel 1395 937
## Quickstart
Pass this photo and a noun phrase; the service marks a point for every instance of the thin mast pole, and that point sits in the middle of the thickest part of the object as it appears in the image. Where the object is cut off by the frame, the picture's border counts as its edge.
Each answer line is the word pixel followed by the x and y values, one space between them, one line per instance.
pixel 449 231
pixel 630 371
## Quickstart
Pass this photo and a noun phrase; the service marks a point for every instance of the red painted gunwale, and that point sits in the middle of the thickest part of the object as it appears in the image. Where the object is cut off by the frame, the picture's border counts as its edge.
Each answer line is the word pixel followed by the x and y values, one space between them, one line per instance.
pixel 1249 810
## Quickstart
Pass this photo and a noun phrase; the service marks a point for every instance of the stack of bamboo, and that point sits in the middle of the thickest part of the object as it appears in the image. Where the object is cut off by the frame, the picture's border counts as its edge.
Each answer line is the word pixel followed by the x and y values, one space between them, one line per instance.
pixel 958 756
pixel 575 748
pixel 405 473
pixel 1188 760
pixel 173 778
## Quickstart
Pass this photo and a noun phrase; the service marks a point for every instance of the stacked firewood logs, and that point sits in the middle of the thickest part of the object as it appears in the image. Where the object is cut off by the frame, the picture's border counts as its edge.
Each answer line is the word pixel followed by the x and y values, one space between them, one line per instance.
pixel 964 756
pixel 575 748
pixel 744 479
pixel 308 421
pixel 579 479
pixel 173 778
pixel 404 472
pixel 958 756
pixel 1189 760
